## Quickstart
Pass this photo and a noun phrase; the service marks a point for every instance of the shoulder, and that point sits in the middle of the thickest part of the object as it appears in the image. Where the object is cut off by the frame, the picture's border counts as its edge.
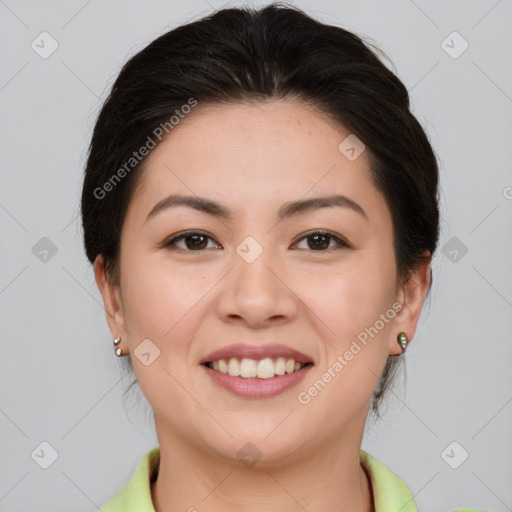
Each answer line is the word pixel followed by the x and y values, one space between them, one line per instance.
pixel 390 492
pixel 116 503
pixel 136 495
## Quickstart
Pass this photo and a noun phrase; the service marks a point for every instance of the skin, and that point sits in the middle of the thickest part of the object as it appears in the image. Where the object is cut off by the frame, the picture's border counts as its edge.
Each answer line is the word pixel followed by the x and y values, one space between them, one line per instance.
pixel 252 158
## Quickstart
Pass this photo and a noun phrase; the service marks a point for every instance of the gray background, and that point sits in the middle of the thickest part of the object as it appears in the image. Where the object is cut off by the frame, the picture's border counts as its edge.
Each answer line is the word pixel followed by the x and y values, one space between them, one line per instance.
pixel 59 379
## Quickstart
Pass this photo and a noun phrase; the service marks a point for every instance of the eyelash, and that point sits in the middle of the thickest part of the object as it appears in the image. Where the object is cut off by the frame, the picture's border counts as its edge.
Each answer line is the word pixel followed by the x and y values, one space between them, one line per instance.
pixel 341 243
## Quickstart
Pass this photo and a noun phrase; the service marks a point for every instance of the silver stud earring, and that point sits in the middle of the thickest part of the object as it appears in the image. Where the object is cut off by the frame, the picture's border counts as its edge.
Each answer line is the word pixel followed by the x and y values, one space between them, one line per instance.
pixel 402 340
pixel 118 350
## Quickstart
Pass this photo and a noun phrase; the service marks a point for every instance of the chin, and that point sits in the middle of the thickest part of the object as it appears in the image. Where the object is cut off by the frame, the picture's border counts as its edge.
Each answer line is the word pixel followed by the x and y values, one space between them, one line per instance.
pixel 260 445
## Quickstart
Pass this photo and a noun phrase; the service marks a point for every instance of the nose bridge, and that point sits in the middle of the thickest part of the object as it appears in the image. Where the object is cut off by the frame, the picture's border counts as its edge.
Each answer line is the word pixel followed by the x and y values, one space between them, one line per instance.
pixel 254 291
pixel 253 267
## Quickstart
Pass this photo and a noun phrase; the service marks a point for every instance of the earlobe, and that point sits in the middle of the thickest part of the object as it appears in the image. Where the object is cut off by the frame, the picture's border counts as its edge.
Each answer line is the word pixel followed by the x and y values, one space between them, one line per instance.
pixel 111 298
pixel 411 295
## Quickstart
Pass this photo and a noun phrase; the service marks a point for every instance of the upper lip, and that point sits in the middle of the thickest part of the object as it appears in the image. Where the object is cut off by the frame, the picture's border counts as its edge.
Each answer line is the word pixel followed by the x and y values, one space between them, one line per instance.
pixel 256 352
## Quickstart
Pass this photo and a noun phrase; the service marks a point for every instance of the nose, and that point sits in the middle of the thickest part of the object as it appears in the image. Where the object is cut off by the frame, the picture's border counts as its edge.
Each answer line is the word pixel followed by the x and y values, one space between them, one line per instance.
pixel 258 293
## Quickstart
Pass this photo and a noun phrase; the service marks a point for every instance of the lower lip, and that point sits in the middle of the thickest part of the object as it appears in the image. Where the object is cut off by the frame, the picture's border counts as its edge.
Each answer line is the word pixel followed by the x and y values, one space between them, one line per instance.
pixel 257 388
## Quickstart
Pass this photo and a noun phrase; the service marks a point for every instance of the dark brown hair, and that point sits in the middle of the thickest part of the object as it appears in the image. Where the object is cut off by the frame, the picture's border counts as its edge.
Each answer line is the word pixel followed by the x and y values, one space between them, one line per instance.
pixel 248 55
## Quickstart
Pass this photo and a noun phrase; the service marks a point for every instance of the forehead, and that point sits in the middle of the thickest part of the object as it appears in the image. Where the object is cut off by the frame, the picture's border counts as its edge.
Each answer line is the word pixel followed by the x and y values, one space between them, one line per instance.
pixel 257 155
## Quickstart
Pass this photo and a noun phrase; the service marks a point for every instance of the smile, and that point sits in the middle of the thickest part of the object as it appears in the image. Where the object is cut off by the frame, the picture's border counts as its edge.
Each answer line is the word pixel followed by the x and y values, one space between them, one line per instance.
pixel 251 385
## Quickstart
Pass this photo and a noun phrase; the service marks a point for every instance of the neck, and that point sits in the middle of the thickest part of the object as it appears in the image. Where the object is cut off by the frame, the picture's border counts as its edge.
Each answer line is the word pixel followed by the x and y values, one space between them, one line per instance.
pixel 322 480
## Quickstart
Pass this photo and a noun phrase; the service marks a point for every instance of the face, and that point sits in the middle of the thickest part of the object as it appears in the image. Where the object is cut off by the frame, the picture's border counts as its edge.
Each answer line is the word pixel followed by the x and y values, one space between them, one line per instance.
pixel 266 270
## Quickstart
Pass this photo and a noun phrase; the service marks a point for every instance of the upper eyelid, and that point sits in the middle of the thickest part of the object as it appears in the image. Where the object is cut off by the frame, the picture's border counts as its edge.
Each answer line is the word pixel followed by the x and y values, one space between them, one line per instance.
pixel 173 239
pixel 339 239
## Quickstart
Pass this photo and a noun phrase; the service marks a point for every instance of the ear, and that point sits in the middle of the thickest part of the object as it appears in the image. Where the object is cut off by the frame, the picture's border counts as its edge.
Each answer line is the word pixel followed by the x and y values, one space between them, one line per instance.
pixel 111 298
pixel 411 296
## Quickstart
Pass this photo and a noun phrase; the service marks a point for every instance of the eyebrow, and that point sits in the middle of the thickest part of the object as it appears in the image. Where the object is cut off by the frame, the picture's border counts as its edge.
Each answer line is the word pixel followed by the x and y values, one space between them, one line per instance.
pixel 289 209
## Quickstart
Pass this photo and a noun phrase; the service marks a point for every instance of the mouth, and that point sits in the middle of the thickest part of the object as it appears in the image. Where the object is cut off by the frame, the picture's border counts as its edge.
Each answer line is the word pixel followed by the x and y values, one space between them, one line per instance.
pixel 256 371
pixel 248 368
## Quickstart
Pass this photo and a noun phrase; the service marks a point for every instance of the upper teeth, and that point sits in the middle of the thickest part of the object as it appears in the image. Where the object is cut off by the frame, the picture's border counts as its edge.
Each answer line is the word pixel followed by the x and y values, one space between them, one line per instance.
pixel 264 368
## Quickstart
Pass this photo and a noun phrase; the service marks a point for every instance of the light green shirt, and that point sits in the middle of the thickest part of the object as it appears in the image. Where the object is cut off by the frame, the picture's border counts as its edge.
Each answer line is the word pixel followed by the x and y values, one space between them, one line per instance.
pixel 389 491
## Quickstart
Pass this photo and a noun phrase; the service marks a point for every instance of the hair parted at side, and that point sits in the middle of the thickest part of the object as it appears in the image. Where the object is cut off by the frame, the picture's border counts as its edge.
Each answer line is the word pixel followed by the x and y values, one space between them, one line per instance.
pixel 252 55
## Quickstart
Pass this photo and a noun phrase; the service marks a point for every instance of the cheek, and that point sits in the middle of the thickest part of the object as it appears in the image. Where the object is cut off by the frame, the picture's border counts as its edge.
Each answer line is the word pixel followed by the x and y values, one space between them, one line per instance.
pixel 347 301
pixel 358 304
pixel 158 297
pixel 162 305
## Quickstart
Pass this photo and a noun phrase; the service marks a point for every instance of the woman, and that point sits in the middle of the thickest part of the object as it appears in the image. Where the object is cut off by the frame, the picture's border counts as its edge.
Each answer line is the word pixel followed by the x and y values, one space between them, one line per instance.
pixel 261 209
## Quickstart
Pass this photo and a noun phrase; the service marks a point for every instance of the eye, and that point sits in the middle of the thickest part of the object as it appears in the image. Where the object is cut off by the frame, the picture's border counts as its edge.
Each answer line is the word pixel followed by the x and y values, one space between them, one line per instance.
pixel 198 240
pixel 194 241
pixel 320 240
